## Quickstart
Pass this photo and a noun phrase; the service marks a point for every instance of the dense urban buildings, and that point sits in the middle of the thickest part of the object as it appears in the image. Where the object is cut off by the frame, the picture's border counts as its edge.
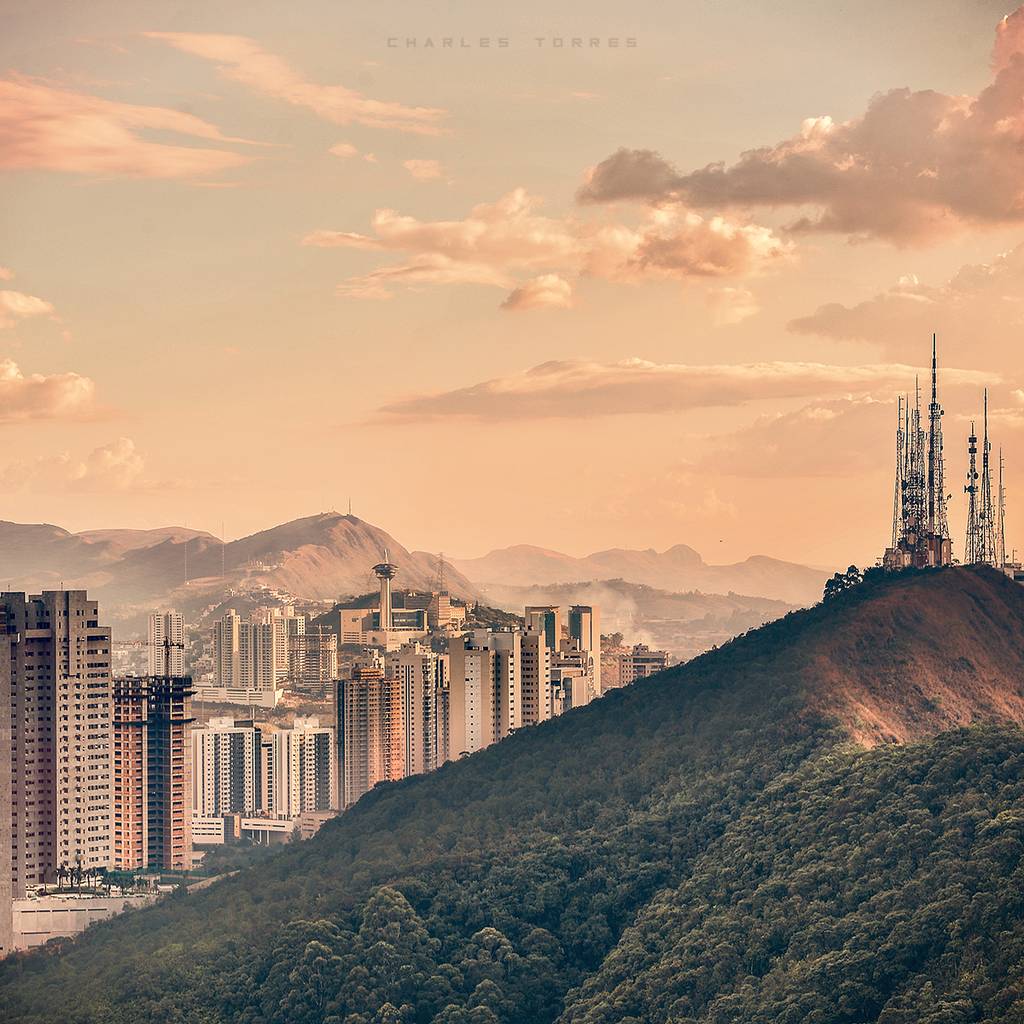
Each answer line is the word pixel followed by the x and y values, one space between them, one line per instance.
pixel 118 774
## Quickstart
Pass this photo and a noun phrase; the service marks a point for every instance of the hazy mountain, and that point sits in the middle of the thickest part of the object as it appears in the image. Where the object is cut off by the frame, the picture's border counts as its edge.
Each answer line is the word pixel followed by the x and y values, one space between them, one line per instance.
pixel 319 557
pixel 679 569
pixel 685 625
pixel 750 837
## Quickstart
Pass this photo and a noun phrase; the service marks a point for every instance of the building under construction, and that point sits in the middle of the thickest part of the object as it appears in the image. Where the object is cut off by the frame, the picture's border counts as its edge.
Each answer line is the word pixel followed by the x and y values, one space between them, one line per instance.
pixel 920 531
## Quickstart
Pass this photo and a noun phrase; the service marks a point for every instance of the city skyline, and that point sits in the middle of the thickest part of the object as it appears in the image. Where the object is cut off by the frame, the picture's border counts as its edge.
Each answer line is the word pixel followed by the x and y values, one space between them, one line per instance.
pixel 297 240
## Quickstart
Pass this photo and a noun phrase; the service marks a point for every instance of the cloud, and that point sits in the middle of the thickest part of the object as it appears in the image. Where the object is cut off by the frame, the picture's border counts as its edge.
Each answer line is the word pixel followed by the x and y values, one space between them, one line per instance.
pixel 549 291
pixel 244 61
pixel 916 165
pixel 117 466
pixel 424 170
pixel 54 129
pixel 511 236
pixel 975 312
pixel 15 306
pixel 426 269
pixel 346 151
pixel 832 438
pixel 571 389
pixel 732 305
pixel 6 274
pixel 64 396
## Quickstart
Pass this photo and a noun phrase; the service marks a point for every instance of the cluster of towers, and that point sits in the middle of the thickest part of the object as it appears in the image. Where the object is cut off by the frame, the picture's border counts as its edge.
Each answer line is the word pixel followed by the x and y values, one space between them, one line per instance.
pixel 920 529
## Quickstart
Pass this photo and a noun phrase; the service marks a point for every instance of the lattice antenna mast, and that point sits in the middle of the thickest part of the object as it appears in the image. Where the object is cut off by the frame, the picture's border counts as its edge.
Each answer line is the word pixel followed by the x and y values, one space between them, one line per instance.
pixel 897 493
pixel 916 496
pixel 938 524
pixel 1001 532
pixel 987 510
pixel 440 573
pixel 972 540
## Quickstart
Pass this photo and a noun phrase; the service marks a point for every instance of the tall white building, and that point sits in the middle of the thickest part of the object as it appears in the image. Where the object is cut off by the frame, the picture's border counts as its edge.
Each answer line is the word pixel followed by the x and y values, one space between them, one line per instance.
pixel 226 768
pixel 421 675
pixel 471 697
pixel 302 774
pixel 166 644
pixel 508 678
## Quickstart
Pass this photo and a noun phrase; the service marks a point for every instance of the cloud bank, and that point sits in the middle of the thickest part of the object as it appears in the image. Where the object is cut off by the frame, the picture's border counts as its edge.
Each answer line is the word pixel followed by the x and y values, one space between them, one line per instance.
pixel 975 312
pixel 496 241
pixel 576 389
pixel 914 166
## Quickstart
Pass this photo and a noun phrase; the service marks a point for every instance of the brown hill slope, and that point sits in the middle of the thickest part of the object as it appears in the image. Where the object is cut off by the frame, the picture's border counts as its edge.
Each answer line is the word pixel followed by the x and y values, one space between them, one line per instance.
pixel 911 656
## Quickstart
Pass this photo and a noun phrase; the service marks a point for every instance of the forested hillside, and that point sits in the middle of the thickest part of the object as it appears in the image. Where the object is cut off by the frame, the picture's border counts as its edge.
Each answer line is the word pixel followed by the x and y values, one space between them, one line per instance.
pixel 709 845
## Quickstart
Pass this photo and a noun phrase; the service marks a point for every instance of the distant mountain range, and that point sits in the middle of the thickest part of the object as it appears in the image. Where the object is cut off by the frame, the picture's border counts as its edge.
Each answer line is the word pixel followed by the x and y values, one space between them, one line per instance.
pixel 319 557
pixel 685 625
pixel 679 569
pixel 328 556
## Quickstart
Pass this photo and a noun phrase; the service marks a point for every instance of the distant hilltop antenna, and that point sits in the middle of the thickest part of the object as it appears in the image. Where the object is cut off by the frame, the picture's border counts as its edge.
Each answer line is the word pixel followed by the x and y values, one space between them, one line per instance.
pixel 972 541
pixel 1001 532
pixel 985 545
pixel 920 530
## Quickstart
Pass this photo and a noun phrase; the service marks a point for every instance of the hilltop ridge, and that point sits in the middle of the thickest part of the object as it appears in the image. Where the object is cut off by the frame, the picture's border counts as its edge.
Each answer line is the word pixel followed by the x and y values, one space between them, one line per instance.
pixel 700 846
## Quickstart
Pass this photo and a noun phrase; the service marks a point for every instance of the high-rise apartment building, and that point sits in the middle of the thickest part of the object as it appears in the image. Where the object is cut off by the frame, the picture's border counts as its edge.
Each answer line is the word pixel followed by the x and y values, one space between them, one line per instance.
pixel 508 679
pixel 419 674
pixel 320 667
pixel 61 734
pixel 536 678
pixel 585 634
pixel 302 775
pixel 226 763
pixel 550 620
pixel 370 732
pixel 6 824
pixel 152 773
pixel 166 644
pixel 471 703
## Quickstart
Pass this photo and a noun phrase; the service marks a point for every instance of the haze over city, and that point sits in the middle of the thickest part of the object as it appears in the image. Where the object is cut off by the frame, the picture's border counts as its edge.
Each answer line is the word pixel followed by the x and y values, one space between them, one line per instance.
pixel 251 274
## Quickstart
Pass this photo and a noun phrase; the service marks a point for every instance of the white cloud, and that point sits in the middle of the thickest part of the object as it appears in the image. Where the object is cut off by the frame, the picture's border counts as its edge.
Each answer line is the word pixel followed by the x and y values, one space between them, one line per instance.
pixel 40 397
pixel 549 291
pixel 42 126
pixel 244 61
pixel 15 306
pixel 424 170
pixel 117 466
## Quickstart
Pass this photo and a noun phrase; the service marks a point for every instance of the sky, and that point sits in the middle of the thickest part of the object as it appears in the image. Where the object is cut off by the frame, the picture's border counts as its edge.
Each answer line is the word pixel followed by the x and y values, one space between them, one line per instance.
pixel 588 276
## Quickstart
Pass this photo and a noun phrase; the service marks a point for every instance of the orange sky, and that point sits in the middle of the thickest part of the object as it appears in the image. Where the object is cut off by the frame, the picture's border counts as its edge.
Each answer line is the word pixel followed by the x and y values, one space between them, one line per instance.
pixel 256 260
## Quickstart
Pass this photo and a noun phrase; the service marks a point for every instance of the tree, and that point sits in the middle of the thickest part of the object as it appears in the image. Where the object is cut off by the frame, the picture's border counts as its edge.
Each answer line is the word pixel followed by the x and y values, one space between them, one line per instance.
pixel 840 582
